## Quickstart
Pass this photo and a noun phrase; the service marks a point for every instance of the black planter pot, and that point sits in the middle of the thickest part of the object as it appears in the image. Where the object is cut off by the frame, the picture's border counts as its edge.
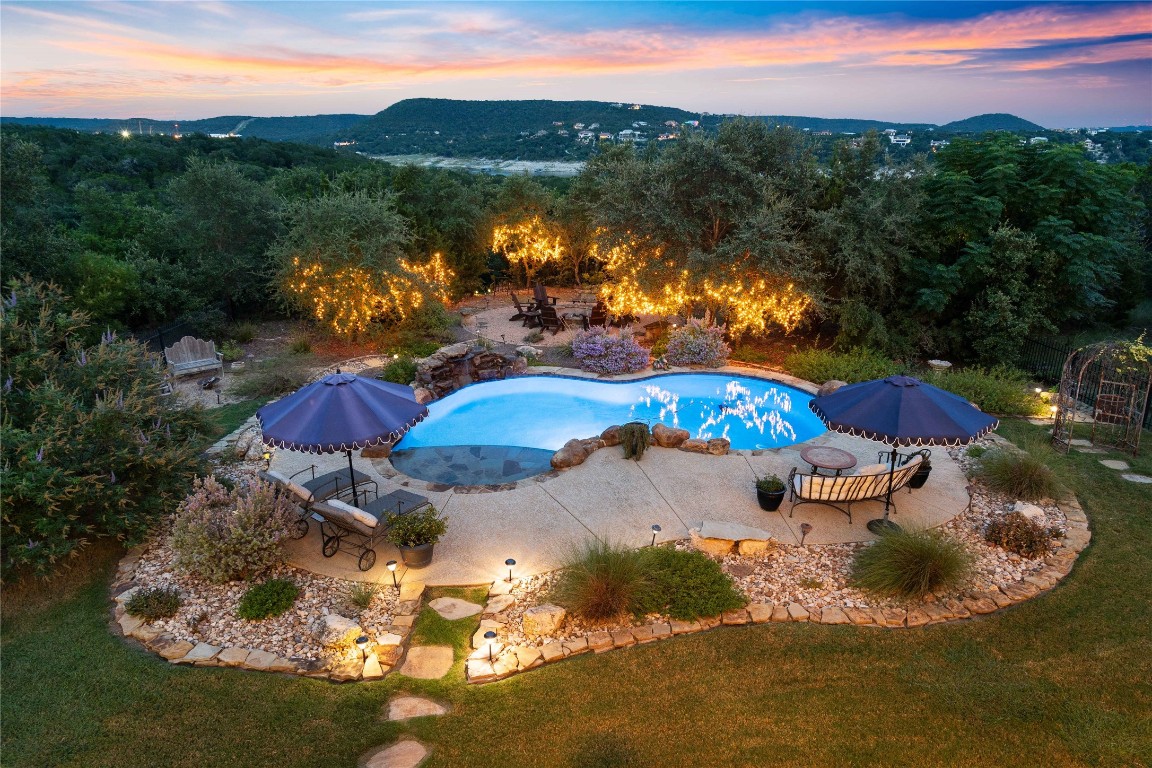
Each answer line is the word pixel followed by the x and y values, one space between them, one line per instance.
pixel 418 556
pixel 769 500
pixel 921 477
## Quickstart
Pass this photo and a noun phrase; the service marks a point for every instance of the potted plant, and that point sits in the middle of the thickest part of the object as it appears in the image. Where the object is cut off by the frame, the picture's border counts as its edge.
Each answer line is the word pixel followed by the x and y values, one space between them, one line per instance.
pixel 921 475
pixel 769 492
pixel 415 534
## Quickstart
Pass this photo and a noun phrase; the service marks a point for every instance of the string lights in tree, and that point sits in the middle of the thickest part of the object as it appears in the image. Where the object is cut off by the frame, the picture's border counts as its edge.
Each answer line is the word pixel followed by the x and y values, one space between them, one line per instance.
pixel 530 242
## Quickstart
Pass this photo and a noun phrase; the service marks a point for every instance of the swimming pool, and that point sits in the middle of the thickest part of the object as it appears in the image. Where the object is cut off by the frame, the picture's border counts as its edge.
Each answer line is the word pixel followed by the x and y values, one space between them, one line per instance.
pixel 544 412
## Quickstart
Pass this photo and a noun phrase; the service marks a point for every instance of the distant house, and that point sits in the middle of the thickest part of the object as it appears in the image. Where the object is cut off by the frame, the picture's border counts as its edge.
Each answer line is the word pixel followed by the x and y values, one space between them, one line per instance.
pixel 557 123
pixel 821 133
pixel 618 105
pixel 224 136
pixel 561 132
pixel 578 126
pixel 1038 140
pixel 635 106
pixel 594 126
pixel 900 139
pixel 692 123
pixel 889 132
pixel 605 136
pixel 671 123
pixel 667 136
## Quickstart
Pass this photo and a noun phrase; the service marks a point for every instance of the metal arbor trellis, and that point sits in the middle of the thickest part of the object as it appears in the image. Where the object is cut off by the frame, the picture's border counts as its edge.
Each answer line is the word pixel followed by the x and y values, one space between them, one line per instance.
pixel 1105 388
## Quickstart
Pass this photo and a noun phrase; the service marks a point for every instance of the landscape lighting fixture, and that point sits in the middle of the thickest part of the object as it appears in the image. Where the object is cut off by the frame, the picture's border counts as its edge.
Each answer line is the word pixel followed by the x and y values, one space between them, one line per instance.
pixel 362 643
pixel 509 562
pixel 391 565
pixel 655 530
pixel 489 636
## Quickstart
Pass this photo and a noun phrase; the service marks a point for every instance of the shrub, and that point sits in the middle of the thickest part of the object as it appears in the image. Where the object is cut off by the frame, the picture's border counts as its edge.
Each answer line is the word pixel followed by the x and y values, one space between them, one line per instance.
pixel 275 377
pixel 300 345
pixel 857 364
pixel 423 526
pixel 599 581
pixel 1000 390
pixel 769 484
pixel 695 344
pixel 684 585
pixel 634 439
pixel 402 370
pixel 533 337
pixel 152 603
pixel 1022 535
pixel 271 598
pixel 1018 475
pixel 976 451
pixel 599 351
pixel 242 333
pixel 747 354
pixel 911 564
pixel 224 535
pixel 88 447
pixel 231 351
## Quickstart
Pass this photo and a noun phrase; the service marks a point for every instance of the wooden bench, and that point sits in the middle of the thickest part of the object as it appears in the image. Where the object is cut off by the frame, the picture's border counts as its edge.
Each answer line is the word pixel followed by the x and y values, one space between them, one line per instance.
pixel 191 355
pixel 869 483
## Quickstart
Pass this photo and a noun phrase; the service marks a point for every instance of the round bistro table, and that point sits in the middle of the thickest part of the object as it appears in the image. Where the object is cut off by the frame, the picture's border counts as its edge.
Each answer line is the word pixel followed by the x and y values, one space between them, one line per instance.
pixel 827 457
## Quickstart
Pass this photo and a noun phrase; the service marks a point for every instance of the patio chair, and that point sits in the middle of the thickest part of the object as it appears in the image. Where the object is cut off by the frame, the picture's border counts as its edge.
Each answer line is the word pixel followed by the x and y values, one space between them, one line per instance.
pixel 337 484
pixel 540 295
pixel 365 527
pixel 530 314
pixel 551 321
pixel 599 315
pixel 297 494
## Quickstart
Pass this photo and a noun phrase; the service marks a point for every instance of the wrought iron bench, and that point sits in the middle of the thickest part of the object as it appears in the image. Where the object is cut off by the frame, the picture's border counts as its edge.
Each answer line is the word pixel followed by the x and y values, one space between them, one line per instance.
pixel 867 484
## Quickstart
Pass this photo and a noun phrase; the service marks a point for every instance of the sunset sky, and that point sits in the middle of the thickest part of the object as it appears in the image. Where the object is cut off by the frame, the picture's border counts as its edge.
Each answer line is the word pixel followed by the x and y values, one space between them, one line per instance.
pixel 1057 64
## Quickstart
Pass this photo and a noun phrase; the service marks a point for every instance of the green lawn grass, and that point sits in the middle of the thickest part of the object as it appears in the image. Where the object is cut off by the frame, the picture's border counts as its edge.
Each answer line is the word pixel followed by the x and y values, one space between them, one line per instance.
pixel 227 418
pixel 1061 680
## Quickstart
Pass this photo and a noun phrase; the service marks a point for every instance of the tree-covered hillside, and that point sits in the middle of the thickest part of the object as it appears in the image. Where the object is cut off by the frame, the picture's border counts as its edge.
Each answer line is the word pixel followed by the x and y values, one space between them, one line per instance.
pixel 996 121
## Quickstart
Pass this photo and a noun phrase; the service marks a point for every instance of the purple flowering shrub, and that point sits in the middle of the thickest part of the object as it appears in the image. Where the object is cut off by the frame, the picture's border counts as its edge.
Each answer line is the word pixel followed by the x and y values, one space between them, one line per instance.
pixel 695 344
pixel 225 535
pixel 597 350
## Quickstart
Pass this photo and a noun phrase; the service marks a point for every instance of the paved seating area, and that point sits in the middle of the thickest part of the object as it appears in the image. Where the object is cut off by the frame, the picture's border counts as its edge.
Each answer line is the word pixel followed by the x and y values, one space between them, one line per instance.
pixel 620 500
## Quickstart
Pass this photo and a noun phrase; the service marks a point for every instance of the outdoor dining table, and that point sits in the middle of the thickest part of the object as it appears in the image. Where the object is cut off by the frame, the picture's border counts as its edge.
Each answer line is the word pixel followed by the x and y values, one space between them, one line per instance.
pixel 827 457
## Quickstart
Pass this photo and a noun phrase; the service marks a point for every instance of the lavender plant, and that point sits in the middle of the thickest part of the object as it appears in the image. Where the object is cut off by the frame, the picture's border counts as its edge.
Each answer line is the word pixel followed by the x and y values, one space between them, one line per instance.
pixel 597 350
pixel 696 344
pixel 228 535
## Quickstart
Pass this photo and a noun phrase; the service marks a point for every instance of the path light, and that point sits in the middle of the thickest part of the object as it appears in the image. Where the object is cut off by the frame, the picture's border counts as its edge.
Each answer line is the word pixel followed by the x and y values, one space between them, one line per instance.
pixel 655 530
pixel 489 636
pixel 805 529
pixel 509 562
pixel 362 643
pixel 391 565
pixel 1037 390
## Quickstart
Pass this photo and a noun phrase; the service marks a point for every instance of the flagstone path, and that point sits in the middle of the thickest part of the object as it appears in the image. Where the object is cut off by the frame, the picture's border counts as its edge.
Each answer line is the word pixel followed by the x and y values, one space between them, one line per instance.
pixel 427 662
pixel 405 707
pixel 403 754
pixel 453 608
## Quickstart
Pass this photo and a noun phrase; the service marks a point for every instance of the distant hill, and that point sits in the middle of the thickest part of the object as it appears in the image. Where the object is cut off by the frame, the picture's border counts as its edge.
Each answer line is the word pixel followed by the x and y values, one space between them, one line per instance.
pixel 996 121
pixel 842 125
pixel 311 129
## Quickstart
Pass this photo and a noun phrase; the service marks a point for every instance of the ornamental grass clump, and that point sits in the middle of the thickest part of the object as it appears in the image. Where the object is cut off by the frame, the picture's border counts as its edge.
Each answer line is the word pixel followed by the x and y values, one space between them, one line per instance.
pixel 599 581
pixel 226 535
pixel 634 439
pixel 601 352
pixel 911 564
pixel 696 344
pixel 1017 475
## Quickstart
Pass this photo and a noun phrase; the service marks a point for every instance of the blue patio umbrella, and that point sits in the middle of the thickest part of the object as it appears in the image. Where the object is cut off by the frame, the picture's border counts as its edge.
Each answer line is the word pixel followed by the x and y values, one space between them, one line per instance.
pixel 901 411
pixel 340 412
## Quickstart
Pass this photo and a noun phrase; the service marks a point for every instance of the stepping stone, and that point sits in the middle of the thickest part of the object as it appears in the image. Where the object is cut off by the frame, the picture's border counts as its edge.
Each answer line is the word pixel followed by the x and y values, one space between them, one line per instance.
pixel 1114 464
pixel 1137 478
pixel 403 754
pixel 1091 450
pixel 405 707
pixel 453 608
pixel 427 662
pixel 1081 442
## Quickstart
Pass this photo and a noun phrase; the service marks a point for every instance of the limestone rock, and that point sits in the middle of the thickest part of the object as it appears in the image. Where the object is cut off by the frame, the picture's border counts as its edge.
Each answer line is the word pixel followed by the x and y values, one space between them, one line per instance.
pixel 427 662
pixel 1032 512
pixel 406 707
pixel 760 613
pixel 389 638
pixel 372 669
pixel 830 386
pixel 694 446
pixel 424 395
pixel 377 451
pixel 528 351
pixel 572 454
pixel 411 590
pixel 332 629
pixel 486 625
pixel 403 754
pixel 757 547
pixel 599 641
pixel 171 648
pixel 552 652
pixel 684 627
pixel 261 660
pixel 622 638
pixel 480 670
pixel 201 653
pixel 579 645
pixel 348 670
pixel 735 616
pixel 540 620
pixel 711 546
pixel 834 614
pixel 719 446
pixel 528 657
pixel 669 437
pixel 499 603
pixel 129 624
pixel 611 436
pixel 797 612
pixel 232 656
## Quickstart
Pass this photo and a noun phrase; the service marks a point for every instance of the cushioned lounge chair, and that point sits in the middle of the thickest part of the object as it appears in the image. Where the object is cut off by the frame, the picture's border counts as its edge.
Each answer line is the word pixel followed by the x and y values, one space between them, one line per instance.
pixel 363 528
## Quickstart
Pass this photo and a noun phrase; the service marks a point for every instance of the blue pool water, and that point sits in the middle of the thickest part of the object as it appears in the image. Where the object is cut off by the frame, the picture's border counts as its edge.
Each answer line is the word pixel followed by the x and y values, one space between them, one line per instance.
pixel 547 411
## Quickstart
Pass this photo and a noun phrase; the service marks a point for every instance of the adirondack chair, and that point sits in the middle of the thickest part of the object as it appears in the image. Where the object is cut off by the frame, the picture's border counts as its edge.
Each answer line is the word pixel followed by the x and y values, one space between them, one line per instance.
pixel 191 355
pixel 530 315
pixel 551 321
pixel 540 295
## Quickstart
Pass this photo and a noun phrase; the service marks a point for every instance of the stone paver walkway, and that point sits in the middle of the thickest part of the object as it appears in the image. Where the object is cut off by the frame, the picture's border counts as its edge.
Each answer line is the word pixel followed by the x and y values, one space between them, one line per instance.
pixel 453 608
pixel 427 662
pixel 405 707
pixel 402 754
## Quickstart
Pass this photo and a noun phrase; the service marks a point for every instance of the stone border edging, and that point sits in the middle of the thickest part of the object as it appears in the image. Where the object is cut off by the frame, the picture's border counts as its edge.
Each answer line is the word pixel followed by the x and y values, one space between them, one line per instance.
pixel 373 665
pixel 517 659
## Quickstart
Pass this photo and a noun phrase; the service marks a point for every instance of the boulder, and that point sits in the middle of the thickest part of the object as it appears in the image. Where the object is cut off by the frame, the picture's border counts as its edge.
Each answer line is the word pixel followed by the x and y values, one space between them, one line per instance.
pixel 377 451
pixel 714 547
pixel 499 603
pixel 719 446
pixel 1032 512
pixel 757 547
pixel 694 446
pixel 332 629
pixel 611 436
pixel 540 620
pixel 573 453
pixel 520 365
pixel 424 395
pixel 830 386
pixel 528 351
pixel 669 437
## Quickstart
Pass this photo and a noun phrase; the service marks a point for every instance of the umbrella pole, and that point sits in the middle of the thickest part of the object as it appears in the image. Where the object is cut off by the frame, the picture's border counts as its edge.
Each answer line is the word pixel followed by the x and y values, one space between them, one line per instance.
pixel 356 496
pixel 882 525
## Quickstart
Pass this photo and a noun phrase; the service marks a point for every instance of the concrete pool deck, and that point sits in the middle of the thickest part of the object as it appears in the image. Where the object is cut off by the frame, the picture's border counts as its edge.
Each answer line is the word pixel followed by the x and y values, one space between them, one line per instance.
pixel 619 500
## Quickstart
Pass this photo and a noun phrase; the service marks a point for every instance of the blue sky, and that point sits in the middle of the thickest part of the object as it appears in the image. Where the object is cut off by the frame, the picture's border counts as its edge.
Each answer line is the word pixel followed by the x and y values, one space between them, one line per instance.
pixel 1058 64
